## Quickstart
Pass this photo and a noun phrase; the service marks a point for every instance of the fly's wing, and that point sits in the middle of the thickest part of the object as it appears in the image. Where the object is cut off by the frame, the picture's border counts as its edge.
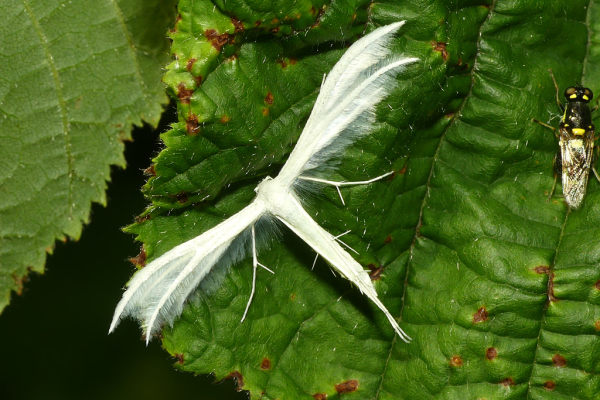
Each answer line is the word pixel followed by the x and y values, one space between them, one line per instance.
pixel 576 157
pixel 360 79
pixel 157 293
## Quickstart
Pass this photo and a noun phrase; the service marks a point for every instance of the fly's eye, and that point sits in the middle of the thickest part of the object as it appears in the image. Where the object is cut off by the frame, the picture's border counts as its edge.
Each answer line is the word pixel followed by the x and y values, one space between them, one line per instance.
pixel 570 93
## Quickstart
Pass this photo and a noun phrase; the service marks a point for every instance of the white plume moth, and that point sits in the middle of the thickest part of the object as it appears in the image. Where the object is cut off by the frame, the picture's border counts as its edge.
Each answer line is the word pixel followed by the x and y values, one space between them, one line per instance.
pixel 343 112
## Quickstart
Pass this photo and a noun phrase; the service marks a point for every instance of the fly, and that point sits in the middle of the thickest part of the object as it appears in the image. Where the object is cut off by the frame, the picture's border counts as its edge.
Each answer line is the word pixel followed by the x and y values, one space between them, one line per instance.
pixel 576 136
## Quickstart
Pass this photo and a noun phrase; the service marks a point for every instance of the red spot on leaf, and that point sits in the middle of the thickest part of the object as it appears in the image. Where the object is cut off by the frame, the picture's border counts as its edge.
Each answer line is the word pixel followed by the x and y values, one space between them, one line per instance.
pixel 192 125
pixel 218 41
pixel 150 171
pixel 388 239
pixel 541 269
pixel 179 358
pixel 225 119
pixel 456 361
pixel 480 316
pixel 559 361
pixel 507 382
pixel 190 64
pixel 441 47
pixel 597 285
pixel 347 387
pixel 238 25
pixel 275 30
pixel 282 62
pixel 140 259
pixel 140 219
pixel 269 98
pixel 182 197
pixel 184 94
pixel 265 112
pixel 320 396
pixel 491 353
pixel 239 379
pixel 265 364
pixel 549 385
pixel 375 272
pixel 551 296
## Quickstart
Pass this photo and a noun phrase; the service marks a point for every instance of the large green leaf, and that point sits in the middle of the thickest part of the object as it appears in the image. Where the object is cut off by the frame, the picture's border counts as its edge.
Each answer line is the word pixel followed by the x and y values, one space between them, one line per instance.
pixel 75 76
pixel 497 287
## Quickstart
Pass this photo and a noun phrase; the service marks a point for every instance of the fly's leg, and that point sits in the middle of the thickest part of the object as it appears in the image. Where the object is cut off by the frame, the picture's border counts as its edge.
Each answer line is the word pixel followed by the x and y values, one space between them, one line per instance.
pixel 594 158
pixel 562 108
pixel 557 164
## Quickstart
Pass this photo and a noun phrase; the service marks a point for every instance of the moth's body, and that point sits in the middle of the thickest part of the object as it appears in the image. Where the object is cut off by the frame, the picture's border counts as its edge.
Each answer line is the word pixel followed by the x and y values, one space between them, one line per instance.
pixel 344 111
pixel 576 135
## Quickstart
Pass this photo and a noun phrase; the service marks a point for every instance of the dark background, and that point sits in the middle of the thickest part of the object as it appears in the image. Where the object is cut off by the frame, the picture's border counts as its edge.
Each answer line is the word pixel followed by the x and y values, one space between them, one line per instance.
pixel 53 338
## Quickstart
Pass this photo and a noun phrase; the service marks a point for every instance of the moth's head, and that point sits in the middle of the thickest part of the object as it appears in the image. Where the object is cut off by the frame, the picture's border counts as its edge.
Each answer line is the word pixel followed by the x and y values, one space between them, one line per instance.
pixel 578 93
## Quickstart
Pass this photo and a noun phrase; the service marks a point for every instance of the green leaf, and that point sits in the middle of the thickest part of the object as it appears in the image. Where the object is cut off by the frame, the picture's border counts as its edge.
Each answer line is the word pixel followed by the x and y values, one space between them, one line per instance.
pixel 75 77
pixel 498 287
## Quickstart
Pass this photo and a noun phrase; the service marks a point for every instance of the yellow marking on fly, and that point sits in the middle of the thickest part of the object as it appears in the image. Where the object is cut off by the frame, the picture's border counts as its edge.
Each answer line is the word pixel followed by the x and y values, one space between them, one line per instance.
pixel 576 143
pixel 564 118
pixel 585 97
pixel 578 131
pixel 573 96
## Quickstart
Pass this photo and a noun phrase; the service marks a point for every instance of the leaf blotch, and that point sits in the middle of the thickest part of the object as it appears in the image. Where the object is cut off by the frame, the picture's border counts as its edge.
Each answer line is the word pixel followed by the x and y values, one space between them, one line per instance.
pixel 150 171
pixel 225 119
pixel 218 41
pixel 192 125
pixel 375 272
pixel 269 98
pixel 265 112
pixel 182 197
pixel 282 62
pixel 388 239
pixel 179 358
pixel 184 94
pixel 239 379
pixel 320 396
pixel 441 47
pixel 597 285
pixel 347 387
pixel 265 364
pixel 549 385
pixel 559 361
pixel 480 316
pixel 597 326
pixel 491 353
pixel 237 24
pixel 456 361
pixel 551 296
pixel 140 259
pixel 19 281
pixel 190 64
pixel 507 382
pixel 541 269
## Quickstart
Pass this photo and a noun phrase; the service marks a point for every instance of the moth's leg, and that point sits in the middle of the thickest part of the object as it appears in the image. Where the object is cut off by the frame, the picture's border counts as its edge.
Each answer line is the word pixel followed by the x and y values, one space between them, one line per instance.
pixel 557 164
pixel 338 184
pixel 255 265
pixel 562 108
pixel 338 239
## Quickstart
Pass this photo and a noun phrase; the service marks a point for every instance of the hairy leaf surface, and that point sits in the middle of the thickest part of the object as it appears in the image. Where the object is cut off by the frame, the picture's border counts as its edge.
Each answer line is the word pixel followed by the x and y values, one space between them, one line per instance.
pixel 498 287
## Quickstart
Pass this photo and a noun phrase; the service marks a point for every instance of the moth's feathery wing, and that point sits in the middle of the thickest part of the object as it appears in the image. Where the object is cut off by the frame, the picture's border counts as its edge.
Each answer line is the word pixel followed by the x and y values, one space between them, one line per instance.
pixel 287 208
pixel 156 294
pixel 348 95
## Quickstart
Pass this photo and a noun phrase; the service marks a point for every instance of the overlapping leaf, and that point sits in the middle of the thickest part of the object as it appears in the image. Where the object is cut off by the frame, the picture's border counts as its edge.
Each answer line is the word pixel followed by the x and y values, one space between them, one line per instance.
pixel 497 286
pixel 75 77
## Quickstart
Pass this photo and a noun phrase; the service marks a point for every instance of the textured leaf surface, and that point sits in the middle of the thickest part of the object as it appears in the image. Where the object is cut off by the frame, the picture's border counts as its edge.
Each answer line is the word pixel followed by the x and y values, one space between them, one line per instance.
pixel 75 77
pixel 498 287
